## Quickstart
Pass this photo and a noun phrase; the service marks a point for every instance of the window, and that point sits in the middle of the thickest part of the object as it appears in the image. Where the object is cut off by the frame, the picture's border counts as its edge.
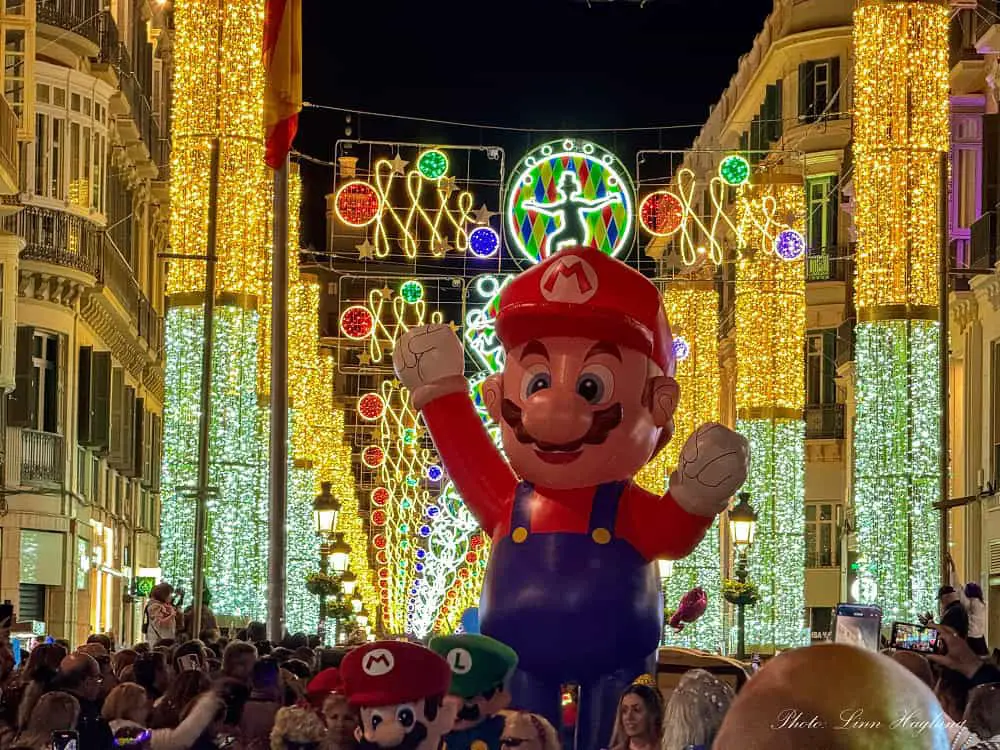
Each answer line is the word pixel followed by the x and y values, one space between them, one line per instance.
pixel 966 191
pixel 45 366
pixel 821 360
pixel 819 81
pixel 995 390
pixel 31 602
pixel 822 205
pixel 14 68
pixel 35 403
pixel 821 535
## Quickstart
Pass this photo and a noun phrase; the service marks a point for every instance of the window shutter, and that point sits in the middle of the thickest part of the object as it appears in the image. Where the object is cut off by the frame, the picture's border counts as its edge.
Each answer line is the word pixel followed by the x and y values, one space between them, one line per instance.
pixel 128 432
pixel 777 113
pixel 156 441
pixel 117 434
pixel 829 394
pixel 832 210
pixel 834 103
pixel 22 404
pixel 806 73
pixel 100 380
pixel 84 406
pixel 140 443
pixel 744 142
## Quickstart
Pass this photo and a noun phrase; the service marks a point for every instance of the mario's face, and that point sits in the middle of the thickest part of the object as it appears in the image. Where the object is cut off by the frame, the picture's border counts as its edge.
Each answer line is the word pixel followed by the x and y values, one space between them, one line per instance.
pixel 407 726
pixel 576 412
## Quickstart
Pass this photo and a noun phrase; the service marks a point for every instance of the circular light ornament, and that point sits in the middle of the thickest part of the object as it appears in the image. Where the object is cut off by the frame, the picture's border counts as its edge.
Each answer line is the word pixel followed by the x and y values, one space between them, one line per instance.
pixel 409 436
pixel 682 349
pixel 734 170
pixel 790 245
pixel 432 164
pixel 357 204
pixel 434 473
pixel 411 291
pixel 562 194
pixel 372 456
pixel 661 213
pixel 371 407
pixel 484 242
pixel 380 496
pixel 424 531
pixel 379 517
pixel 357 322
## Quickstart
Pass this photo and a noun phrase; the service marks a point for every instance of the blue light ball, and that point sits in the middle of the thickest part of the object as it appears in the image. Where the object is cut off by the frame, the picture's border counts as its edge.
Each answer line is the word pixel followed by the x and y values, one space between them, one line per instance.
pixel 484 242
pixel 434 473
pixel 424 531
pixel 432 511
pixel 421 554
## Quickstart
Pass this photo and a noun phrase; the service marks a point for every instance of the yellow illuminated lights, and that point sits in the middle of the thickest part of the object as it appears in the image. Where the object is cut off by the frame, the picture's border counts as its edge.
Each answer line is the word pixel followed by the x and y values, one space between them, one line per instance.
pixel 770 303
pixel 441 228
pixel 218 96
pixel 393 316
pixel 901 128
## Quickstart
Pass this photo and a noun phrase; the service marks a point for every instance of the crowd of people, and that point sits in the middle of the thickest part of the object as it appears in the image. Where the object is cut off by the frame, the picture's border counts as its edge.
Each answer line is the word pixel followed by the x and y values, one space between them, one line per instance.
pixel 172 693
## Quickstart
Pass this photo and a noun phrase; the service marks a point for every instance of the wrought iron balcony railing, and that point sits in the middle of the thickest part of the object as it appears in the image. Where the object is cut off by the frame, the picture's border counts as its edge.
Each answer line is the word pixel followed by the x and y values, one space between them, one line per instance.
pixel 825 422
pixel 78 16
pixel 42 458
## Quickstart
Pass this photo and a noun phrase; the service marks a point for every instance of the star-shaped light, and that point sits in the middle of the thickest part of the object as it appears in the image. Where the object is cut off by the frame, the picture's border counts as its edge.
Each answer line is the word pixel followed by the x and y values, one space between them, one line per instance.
pixel 447 186
pixel 442 246
pixel 366 250
pixel 386 292
pixel 394 383
pixel 482 215
pixel 364 358
pixel 399 165
pixel 452 326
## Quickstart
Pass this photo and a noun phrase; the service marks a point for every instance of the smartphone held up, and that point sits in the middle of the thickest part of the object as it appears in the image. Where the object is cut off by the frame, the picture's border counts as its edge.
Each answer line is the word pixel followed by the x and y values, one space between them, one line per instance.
pixel 907 636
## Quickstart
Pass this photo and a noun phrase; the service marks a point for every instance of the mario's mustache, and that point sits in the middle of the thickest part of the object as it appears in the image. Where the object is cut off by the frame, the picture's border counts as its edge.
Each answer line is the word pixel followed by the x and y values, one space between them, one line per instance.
pixel 601 425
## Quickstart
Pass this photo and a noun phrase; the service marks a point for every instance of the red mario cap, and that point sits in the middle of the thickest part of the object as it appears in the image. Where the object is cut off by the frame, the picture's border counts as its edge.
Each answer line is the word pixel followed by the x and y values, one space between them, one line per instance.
pixel 327 681
pixel 386 673
pixel 580 291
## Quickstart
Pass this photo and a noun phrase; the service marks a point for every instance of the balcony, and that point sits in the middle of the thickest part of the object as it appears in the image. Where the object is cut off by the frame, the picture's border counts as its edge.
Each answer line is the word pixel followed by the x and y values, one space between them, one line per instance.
pixel 828 264
pixel 42 460
pixel 845 342
pixel 8 148
pixel 70 23
pixel 825 422
pixel 983 242
pixel 57 238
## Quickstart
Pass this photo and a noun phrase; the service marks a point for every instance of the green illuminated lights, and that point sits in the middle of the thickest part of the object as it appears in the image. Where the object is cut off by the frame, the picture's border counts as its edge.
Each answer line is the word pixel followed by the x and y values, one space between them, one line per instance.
pixel 412 291
pixel 897 466
pixel 734 170
pixel 432 164
pixel 776 561
pixel 703 567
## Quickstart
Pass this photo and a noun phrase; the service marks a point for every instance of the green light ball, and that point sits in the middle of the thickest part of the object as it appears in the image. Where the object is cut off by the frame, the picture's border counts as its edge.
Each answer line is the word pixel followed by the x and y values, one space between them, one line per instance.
pixel 734 170
pixel 412 291
pixel 409 436
pixel 433 164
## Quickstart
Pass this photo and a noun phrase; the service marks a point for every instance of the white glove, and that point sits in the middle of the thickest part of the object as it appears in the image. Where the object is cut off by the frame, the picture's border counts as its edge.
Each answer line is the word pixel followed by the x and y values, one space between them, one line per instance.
pixel 713 465
pixel 430 362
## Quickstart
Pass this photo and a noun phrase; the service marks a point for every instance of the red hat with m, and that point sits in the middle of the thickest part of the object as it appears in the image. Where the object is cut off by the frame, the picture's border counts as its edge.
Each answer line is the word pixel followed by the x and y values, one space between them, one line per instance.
pixel 580 291
pixel 387 673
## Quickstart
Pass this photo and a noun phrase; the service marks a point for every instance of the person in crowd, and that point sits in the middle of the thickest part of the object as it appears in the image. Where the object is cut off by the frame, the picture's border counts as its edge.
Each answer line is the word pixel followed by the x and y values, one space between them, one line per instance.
pixel 695 711
pixel 103 659
pixel 324 684
pixel 182 689
pixel 915 663
pixel 238 661
pixel 982 712
pixel 266 698
pixel 151 671
pixel 298 668
pixel 102 639
pixel 80 676
pixel 208 621
pixel 341 722
pixel 960 657
pixel 121 660
pixel 953 614
pixel 297 728
pixel 330 658
pixel 976 607
pixel 524 730
pixel 160 618
pixel 256 631
pixel 126 707
pixel 306 654
pixel 639 720
pixel 42 667
pixel 836 697
pixel 54 712
pixel 189 655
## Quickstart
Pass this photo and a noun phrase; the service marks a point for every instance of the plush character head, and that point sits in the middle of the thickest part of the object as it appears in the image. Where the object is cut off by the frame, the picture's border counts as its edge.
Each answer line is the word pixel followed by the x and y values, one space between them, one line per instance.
pixel 480 667
pixel 399 689
pixel 587 394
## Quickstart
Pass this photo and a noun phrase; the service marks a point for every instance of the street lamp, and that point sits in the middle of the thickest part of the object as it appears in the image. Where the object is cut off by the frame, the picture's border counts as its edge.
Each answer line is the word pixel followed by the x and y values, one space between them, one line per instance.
pixel 356 604
pixel 340 555
pixel 326 509
pixel 742 527
pixel 348 582
pixel 362 617
pixel 666 570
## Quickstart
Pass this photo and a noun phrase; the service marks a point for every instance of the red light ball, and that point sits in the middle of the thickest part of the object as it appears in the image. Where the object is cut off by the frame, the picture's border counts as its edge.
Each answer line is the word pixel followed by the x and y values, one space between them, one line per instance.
pixel 380 496
pixel 382 559
pixel 371 407
pixel 378 517
pixel 471 557
pixel 357 204
pixel 379 541
pixel 357 322
pixel 661 213
pixel 372 456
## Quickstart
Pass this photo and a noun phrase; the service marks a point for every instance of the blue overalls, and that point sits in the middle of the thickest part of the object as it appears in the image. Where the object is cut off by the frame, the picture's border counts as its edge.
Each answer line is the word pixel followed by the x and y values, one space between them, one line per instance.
pixel 581 608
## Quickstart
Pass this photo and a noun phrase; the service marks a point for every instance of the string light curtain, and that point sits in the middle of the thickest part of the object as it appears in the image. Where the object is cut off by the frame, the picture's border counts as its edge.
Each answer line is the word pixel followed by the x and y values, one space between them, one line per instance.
pixel 770 398
pixel 901 130
pixel 217 103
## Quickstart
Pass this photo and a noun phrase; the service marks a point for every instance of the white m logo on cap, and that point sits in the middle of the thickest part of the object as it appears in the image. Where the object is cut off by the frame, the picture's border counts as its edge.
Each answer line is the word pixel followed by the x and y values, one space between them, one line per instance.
pixel 378 662
pixel 569 279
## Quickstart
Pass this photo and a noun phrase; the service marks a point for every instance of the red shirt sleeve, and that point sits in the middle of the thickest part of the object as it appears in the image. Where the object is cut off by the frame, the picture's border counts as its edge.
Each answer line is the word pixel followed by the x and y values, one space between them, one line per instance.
pixel 658 527
pixel 482 476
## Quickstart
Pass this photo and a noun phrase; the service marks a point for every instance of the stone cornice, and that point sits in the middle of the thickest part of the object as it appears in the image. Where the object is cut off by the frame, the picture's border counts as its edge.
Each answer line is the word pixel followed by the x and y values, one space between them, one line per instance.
pixel 48 282
pixel 987 289
pixel 122 342
pixel 963 310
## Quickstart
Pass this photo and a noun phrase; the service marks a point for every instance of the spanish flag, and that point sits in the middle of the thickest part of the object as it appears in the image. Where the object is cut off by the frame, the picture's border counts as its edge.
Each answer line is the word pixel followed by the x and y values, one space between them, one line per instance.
pixel 283 70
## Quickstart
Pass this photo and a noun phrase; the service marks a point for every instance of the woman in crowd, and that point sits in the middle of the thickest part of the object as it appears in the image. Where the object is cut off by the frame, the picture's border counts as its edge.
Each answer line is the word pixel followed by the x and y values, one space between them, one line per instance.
pixel 127 708
pixel 266 698
pixel 341 721
pixel 297 728
pixel 977 618
pixel 523 730
pixel 695 711
pixel 639 724
pixel 54 712
pixel 43 665
pixel 184 688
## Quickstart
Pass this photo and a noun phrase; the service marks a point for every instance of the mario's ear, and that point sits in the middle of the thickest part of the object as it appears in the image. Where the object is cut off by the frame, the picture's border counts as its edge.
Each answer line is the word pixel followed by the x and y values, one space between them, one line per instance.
pixel 493 395
pixel 662 396
pixel 358 734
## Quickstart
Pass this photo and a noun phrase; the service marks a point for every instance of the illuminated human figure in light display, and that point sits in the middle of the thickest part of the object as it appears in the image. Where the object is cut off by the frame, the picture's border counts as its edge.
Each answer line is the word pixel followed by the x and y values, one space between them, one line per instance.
pixel 572 210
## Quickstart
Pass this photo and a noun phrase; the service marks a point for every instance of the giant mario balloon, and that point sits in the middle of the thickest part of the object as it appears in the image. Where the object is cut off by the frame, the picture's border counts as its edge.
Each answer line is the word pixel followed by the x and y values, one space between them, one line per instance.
pixel 586 400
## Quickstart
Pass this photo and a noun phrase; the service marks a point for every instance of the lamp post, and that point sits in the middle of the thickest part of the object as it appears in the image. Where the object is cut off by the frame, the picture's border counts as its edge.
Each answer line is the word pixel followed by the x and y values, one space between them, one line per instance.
pixel 742 527
pixel 326 509
pixel 666 570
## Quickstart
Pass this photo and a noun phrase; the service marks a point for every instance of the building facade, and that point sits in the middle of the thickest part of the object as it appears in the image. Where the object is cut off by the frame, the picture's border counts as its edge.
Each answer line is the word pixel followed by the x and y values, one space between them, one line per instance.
pixel 79 510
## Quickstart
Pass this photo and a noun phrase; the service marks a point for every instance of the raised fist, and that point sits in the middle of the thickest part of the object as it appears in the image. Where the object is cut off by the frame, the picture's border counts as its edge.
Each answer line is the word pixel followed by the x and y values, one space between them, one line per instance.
pixel 712 466
pixel 430 362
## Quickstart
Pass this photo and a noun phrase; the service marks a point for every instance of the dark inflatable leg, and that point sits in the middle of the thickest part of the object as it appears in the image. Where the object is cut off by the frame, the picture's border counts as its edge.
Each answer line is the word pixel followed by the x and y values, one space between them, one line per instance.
pixel 531 693
pixel 599 704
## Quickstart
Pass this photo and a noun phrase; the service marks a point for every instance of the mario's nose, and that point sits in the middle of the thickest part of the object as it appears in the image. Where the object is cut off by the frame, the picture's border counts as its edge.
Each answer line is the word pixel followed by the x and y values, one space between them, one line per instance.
pixel 555 417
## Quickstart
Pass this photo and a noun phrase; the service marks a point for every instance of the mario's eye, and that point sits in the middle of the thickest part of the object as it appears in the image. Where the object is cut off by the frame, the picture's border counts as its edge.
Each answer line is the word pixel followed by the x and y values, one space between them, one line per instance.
pixel 376 720
pixel 536 379
pixel 595 385
pixel 405 716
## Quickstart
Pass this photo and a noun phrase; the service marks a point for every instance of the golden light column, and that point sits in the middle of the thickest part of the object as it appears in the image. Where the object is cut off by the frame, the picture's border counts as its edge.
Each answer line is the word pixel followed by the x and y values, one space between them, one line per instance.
pixel 901 132
pixel 770 398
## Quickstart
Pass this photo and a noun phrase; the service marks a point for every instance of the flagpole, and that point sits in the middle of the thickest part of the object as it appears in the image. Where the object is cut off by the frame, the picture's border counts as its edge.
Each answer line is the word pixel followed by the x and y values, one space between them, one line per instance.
pixel 279 408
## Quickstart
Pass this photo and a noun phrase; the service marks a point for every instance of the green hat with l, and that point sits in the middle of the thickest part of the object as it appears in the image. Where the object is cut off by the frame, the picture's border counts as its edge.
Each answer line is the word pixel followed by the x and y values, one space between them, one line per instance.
pixel 478 662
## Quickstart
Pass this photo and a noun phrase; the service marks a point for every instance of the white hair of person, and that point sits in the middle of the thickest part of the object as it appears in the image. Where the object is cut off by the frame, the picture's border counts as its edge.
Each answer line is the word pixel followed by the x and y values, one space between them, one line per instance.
pixel 695 710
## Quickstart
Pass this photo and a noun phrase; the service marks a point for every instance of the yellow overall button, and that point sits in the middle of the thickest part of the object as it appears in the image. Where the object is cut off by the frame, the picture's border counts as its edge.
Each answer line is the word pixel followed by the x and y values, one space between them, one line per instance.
pixel 519 535
pixel 601 536
pixel 479 745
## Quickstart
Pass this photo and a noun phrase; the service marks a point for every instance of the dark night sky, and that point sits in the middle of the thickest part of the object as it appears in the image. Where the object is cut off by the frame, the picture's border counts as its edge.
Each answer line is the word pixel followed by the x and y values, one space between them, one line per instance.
pixel 553 64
